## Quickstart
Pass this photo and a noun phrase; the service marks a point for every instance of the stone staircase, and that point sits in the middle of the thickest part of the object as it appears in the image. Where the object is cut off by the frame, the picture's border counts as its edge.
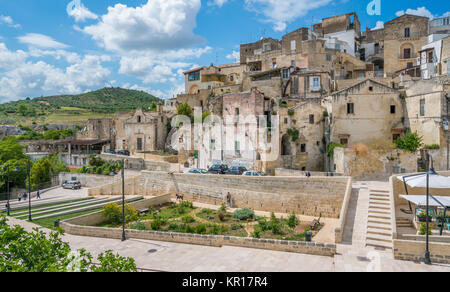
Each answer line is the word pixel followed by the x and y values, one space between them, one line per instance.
pixel 379 226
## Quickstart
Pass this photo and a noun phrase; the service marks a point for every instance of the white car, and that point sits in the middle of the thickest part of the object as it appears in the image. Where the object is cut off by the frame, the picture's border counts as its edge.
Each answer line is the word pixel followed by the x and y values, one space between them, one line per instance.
pixel 253 173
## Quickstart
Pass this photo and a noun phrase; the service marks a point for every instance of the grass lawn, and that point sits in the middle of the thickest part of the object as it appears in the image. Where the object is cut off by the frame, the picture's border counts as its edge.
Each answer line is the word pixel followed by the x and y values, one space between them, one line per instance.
pixel 48 222
pixel 49 206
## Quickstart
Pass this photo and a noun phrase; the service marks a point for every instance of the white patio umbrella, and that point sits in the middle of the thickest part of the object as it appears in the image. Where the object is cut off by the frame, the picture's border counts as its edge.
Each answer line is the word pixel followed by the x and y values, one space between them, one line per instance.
pixel 420 181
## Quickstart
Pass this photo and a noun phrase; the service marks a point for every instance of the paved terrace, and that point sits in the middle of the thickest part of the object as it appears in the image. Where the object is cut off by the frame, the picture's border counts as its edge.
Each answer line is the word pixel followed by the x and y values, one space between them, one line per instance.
pixel 353 255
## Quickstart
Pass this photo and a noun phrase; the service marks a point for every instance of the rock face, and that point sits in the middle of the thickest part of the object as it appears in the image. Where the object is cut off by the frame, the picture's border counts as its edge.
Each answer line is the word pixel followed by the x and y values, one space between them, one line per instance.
pixel 10 130
pixel 41 128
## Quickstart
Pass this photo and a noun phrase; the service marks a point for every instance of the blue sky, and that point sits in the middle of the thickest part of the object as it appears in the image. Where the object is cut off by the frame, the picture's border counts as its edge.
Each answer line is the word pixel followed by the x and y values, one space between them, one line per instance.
pixel 49 47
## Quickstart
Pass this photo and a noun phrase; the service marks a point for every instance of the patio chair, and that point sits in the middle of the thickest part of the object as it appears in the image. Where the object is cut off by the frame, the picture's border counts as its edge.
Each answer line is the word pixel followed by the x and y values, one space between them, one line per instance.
pixel 447 220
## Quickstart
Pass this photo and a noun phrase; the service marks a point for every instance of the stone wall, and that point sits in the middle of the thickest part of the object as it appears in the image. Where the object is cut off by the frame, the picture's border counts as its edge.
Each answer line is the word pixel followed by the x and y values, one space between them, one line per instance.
pixel 369 164
pixel 409 250
pixel 308 196
pixel 115 188
pixel 88 180
pixel 294 172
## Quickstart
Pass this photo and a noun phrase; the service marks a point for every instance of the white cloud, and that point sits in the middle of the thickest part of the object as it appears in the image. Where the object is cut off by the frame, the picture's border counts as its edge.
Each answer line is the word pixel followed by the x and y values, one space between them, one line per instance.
pixel 25 78
pixel 420 11
pixel 235 56
pixel 81 13
pixel 218 3
pixel 41 41
pixel 8 21
pixel 280 13
pixel 164 94
pixel 156 25
pixel 379 25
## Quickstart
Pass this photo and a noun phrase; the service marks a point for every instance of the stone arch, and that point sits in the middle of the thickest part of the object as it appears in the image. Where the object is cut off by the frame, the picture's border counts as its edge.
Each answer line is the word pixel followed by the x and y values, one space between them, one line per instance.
pixel 407 45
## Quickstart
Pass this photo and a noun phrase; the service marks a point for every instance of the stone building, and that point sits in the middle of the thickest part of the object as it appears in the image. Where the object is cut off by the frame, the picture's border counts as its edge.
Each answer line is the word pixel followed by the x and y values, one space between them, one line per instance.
pixel 99 129
pixel 367 112
pixel 404 37
pixel 141 131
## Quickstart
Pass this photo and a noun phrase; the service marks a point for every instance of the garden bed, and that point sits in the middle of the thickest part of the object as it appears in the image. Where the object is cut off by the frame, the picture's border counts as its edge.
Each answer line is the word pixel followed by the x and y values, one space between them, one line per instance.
pixel 185 218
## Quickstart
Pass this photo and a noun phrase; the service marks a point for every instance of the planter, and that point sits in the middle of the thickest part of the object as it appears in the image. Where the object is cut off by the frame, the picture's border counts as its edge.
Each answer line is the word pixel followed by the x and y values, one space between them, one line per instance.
pixel 422 219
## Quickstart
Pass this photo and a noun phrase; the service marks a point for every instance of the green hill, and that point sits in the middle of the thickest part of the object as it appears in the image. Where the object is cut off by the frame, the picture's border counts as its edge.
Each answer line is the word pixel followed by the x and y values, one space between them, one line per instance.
pixel 74 108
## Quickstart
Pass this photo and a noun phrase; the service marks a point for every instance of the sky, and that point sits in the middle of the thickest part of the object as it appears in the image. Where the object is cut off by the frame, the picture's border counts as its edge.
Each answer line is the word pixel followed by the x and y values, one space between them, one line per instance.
pixel 50 47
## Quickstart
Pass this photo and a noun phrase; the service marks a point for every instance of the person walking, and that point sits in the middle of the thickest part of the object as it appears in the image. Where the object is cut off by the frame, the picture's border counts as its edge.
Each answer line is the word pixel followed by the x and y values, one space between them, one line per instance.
pixel 19 197
pixel 229 200
pixel 25 196
pixel 38 195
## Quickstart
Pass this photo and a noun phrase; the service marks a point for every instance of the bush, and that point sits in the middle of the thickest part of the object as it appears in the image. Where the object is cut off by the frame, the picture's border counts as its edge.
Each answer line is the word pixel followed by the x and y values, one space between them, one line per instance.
pixel 423 229
pixel 411 142
pixel 140 226
pixel 291 112
pixel 293 221
pixel 221 216
pixel 274 224
pixel 331 148
pixel 187 219
pixel 236 226
pixel 432 147
pixel 200 229
pixel 223 207
pixel 256 232
pixel 244 214
pixel 156 224
pixel 112 213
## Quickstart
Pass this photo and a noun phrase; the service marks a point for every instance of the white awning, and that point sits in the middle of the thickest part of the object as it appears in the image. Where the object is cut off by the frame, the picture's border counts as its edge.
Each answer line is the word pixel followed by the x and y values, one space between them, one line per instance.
pixel 420 181
pixel 422 200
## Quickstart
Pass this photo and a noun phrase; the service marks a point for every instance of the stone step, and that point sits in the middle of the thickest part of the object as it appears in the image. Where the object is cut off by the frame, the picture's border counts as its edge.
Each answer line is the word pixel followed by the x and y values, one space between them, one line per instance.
pixel 379 221
pixel 379 191
pixel 379 211
pixel 379 200
pixel 380 196
pixel 378 226
pixel 378 237
pixel 381 216
pixel 379 231
pixel 380 206
pixel 379 244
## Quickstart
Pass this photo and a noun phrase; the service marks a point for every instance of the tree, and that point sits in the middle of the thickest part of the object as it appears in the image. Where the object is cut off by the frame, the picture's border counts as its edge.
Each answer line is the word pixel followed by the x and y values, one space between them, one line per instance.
pixel 184 110
pixel 411 142
pixel 10 150
pixel 153 107
pixel 22 251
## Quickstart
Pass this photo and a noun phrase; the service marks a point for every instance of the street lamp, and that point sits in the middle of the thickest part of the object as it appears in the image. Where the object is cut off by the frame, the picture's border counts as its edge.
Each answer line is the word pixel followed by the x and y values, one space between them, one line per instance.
pixel 29 190
pixel 123 200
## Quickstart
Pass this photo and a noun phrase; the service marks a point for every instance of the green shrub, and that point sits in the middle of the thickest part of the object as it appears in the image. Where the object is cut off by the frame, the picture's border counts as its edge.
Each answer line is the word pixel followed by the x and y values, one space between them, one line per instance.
pixel 256 232
pixel 263 224
pixel 331 148
pixel 291 112
pixel 275 224
pixel 294 134
pixel 140 226
pixel 244 214
pixel 187 219
pixel 423 229
pixel 236 226
pixel 200 229
pixel 112 213
pixel 411 142
pixel 432 147
pixel 156 224
pixel 293 221
pixel 223 207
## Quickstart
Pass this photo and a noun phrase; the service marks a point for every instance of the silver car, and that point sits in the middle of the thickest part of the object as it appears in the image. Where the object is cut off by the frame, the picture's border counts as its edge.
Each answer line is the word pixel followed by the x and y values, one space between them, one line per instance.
pixel 72 185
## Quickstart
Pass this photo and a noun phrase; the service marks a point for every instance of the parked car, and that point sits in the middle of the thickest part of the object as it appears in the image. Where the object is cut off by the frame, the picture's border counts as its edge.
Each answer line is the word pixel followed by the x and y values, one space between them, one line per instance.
pixel 124 152
pixel 237 170
pixel 218 169
pixel 73 185
pixel 197 171
pixel 254 173
pixel 110 151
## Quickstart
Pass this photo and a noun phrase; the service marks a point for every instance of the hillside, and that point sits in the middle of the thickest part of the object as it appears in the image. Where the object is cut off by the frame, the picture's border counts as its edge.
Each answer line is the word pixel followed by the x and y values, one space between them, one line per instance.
pixel 74 108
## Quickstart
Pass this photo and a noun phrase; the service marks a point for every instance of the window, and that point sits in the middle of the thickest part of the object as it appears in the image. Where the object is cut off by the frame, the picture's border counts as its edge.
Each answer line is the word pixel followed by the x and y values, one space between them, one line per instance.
pixel 370 88
pixel 328 57
pixel 315 83
pixel 377 48
pixel 393 109
pixel 407 32
pixel 231 78
pixel 139 144
pixel 344 141
pixel 266 47
pixel 237 147
pixel 195 76
pixel 293 63
pixel 311 119
pixel 286 120
pixel 422 107
pixel 236 112
pixel 139 119
pixel 274 63
pixel 303 148
pixel 293 45
pixel 286 73
pixel 362 75
pixel 406 53
pixel 350 108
